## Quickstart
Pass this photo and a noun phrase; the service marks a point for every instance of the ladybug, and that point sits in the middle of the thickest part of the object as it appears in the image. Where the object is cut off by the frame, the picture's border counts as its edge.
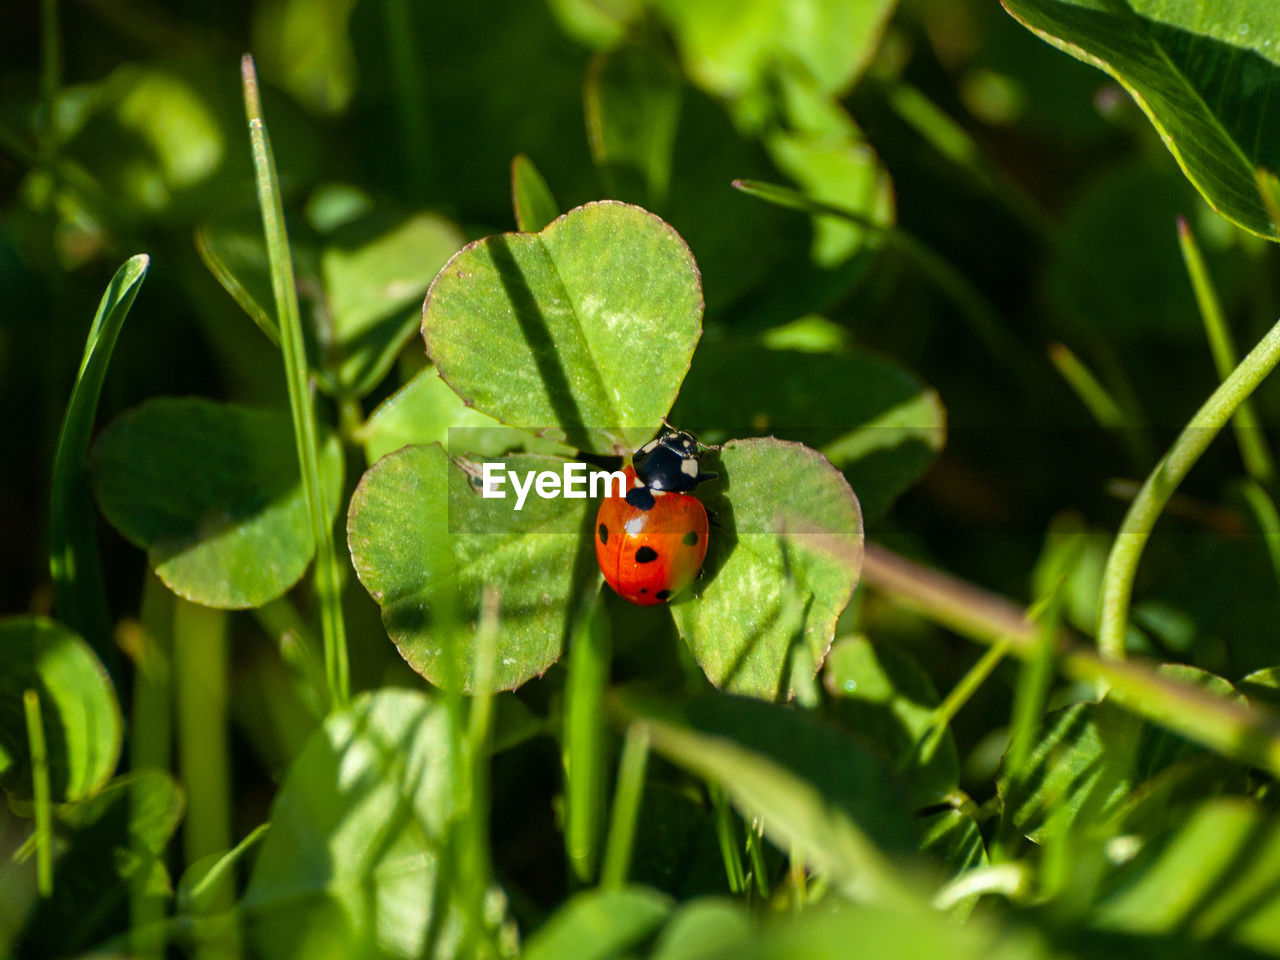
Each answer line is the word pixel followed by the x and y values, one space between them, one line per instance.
pixel 650 543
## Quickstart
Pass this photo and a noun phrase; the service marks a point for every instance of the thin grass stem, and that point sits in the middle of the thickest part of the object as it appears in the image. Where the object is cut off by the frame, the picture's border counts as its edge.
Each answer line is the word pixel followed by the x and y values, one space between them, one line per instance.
pixel 40 791
pixel 200 695
pixel 584 740
pixel 328 581
pixel 727 835
pixel 1095 397
pixel 627 795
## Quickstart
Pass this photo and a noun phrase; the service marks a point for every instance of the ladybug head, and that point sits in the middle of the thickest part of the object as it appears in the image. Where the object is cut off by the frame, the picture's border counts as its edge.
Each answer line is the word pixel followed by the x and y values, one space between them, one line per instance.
pixel 670 462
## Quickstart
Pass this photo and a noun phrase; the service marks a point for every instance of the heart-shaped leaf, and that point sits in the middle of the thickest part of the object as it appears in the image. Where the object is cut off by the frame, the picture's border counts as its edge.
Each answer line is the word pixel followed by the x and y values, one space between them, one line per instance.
pixel 212 493
pixel 781 565
pixel 358 831
pixel 582 332
pixel 78 708
pixel 734 54
pixel 1206 81
pixel 425 544
pixel 877 423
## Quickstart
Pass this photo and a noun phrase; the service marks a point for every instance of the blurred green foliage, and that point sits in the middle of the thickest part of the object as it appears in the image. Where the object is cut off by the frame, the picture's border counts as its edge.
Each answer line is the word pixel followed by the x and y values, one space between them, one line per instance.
pixel 972 198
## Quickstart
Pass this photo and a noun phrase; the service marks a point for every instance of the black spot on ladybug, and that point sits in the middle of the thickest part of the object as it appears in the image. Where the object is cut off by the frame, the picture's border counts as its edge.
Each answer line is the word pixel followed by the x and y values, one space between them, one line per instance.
pixel 604 533
pixel 663 594
pixel 644 589
pixel 641 498
pixel 690 538
pixel 646 555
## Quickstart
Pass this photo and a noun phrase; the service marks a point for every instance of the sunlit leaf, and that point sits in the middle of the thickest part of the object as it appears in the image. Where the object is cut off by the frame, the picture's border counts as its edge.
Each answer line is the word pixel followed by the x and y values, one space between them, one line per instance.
pixel 425 544
pixel 782 562
pixel 355 853
pixel 581 332
pixel 1204 75
pixel 78 708
pixel 729 48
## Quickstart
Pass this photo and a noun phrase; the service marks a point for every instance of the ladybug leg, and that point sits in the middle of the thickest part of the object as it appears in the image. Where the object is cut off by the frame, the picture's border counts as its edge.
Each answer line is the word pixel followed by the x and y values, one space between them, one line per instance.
pixel 713 520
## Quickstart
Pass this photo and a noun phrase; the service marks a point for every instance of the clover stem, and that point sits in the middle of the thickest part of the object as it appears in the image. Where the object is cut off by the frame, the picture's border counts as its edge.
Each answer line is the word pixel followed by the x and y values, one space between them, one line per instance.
pixel 1135 529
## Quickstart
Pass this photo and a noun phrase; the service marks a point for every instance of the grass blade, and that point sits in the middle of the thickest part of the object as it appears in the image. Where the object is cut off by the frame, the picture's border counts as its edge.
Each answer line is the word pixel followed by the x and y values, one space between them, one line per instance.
pixel 230 282
pixel 1100 404
pixel 1253 445
pixel 626 807
pixel 960 694
pixel 79 596
pixel 534 205
pixel 584 740
pixel 727 836
pixel 40 792
pixel 327 580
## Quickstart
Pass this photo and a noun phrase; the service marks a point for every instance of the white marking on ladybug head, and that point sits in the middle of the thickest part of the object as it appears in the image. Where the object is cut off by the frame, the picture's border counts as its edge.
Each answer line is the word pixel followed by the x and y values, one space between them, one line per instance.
pixel 648 447
pixel 689 467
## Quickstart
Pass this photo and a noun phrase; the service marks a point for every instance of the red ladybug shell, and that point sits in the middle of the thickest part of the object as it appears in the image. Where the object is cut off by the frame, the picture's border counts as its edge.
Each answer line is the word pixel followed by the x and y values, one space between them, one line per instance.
pixel 648 556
